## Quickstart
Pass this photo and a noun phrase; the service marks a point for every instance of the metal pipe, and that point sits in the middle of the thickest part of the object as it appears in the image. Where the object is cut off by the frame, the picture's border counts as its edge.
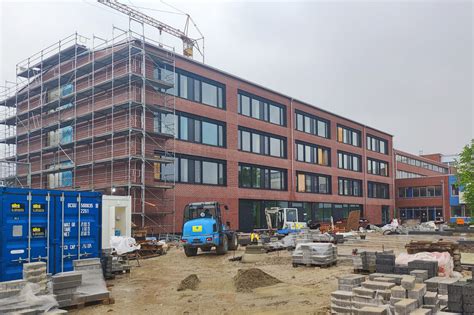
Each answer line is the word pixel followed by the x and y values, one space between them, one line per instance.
pixel 48 199
pixel 79 227
pixel 29 226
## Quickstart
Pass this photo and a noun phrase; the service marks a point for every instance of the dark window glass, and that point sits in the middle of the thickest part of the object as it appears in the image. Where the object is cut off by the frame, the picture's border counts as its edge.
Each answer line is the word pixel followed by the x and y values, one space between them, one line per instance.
pixel 349 187
pixel 312 124
pixel 253 176
pixel 256 142
pixel 310 153
pixel 348 136
pixel 376 167
pixel 259 108
pixel 349 161
pixel 313 183
pixel 378 190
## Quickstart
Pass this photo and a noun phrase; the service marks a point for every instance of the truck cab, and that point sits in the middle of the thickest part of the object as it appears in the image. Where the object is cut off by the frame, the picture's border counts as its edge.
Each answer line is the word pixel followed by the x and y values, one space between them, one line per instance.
pixel 203 228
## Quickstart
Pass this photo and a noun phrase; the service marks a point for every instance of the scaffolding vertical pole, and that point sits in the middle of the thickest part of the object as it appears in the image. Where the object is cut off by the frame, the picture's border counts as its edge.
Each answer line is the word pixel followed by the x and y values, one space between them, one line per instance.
pixel 92 108
pixel 143 125
pixel 74 124
pixel 112 116
pixel 42 123
pixel 129 118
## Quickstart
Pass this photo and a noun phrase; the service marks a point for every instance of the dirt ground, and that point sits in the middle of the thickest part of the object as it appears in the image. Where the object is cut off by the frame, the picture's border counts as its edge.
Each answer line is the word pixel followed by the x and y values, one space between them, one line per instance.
pixel 152 287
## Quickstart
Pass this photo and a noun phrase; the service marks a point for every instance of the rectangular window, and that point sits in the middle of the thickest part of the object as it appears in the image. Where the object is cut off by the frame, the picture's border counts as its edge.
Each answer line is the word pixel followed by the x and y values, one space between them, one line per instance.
pixel 311 124
pixel 192 87
pixel 377 167
pixel 420 192
pixel 193 170
pixel 311 153
pixel 313 183
pixel 377 145
pixel 191 128
pixel 422 164
pixel 348 136
pixel 260 143
pixel 349 187
pixel 349 161
pixel 378 190
pixel 261 177
pixel 260 108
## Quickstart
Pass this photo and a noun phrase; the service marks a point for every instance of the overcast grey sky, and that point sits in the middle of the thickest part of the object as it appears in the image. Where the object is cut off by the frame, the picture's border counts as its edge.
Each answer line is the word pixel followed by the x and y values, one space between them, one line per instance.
pixel 405 67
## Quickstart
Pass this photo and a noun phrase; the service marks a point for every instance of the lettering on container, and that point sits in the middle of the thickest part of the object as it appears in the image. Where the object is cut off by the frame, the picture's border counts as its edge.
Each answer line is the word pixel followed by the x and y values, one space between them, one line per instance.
pixel 17 207
pixel 38 231
pixel 38 207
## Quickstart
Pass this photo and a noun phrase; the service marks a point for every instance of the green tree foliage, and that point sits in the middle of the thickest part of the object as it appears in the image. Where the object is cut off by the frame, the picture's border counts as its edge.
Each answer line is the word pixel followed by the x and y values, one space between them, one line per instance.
pixel 465 174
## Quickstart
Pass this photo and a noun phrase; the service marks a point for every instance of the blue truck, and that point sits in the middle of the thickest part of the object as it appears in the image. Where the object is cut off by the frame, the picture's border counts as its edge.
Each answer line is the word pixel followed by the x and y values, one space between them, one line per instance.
pixel 204 228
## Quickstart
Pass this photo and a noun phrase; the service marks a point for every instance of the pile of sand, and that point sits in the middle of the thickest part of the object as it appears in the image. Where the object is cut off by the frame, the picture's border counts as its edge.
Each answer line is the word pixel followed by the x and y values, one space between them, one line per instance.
pixel 191 282
pixel 249 279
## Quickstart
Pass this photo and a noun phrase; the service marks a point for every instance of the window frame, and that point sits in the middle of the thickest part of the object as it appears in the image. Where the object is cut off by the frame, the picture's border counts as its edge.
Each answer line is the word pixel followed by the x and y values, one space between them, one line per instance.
pixel 265 176
pixel 264 108
pixel 351 158
pixel 265 145
pixel 351 180
pixel 377 189
pixel 351 130
pixel 314 183
pixel 378 163
pixel 378 140
pixel 315 147
pixel 313 121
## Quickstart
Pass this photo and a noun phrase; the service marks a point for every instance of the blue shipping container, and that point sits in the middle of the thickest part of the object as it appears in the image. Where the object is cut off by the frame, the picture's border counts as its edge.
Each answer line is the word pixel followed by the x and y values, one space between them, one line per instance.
pixel 47 225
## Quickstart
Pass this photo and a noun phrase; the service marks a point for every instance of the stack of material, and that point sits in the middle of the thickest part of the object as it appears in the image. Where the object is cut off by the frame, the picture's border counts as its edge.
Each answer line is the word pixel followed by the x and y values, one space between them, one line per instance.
pixel 316 254
pixel 430 266
pixel 22 297
pixel 117 266
pixel 431 301
pixel 385 262
pixel 349 282
pixel 420 275
pixel 341 302
pixel 397 279
pixel 36 273
pixel 93 287
pixel 401 270
pixel 437 246
pixel 461 297
pixel 106 261
pixel 11 288
pixel 65 285
pixel 369 260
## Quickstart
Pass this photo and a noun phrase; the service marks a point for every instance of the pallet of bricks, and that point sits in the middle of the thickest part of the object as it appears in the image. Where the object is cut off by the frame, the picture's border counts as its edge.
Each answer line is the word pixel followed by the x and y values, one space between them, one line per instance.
pixel 437 246
pixel 365 262
pixel 384 293
pixel 315 254
pixel 461 296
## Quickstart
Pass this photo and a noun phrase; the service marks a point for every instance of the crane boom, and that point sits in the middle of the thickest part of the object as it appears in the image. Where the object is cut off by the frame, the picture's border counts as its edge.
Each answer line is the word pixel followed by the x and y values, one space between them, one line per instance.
pixel 188 42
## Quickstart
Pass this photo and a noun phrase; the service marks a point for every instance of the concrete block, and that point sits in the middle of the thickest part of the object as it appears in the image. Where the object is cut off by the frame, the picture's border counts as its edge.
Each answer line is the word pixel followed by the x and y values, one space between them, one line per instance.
pixel 455 307
pixel 385 279
pixel 443 300
pixel 364 292
pixel 373 310
pixel 33 272
pixel 351 279
pixel 430 298
pixel 375 285
pixel 385 294
pixel 421 311
pixel 9 293
pixel 434 307
pixel 341 303
pixel 366 299
pixel 340 310
pixel 67 277
pixel 342 295
pixel 399 292
pixel 408 282
pixel 418 291
pixel 347 287
pixel 13 285
pixel 34 265
pixel 394 300
pixel 443 285
pixel 66 285
pixel 406 306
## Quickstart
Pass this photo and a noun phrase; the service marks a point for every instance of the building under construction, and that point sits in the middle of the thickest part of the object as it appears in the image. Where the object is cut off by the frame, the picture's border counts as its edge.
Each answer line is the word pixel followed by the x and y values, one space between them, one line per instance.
pixel 85 117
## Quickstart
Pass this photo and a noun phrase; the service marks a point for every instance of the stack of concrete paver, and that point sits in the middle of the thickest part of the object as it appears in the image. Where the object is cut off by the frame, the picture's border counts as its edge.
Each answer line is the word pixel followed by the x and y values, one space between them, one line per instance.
pixel 106 261
pixel 385 262
pixel 368 260
pixel 65 286
pixel 430 266
pixel 420 275
pixel 461 297
pixel 349 282
pixel 317 254
pixel 440 286
pixel 36 273
pixel 401 270
pixel 11 288
pixel 93 287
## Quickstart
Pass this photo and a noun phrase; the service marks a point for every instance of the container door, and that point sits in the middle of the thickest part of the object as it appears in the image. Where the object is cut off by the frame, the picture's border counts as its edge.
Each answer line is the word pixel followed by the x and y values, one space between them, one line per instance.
pixel 24 234
pixel 78 229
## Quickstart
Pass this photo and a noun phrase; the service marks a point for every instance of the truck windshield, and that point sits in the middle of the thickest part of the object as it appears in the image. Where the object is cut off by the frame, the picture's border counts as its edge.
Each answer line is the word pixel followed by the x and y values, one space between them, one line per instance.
pixel 199 211
pixel 291 215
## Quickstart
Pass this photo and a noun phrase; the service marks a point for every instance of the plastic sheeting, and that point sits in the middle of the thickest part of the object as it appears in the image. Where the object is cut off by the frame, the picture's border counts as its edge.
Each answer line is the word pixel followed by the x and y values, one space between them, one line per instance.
pixel 123 244
pixel 28 299
pixel 445 261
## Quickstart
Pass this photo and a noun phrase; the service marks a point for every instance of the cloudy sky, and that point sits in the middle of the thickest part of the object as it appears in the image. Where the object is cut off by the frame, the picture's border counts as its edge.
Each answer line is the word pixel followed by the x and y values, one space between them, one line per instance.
pixel 405 67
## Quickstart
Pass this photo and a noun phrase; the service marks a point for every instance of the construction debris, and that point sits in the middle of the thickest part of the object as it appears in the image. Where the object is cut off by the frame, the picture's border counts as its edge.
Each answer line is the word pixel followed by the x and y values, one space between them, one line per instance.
pixel 248 279
pixel 437 246
pixel 191 282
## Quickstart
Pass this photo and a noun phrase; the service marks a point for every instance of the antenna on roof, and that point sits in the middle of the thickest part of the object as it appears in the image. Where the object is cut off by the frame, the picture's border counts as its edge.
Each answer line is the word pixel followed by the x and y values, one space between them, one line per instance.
pixel 189 44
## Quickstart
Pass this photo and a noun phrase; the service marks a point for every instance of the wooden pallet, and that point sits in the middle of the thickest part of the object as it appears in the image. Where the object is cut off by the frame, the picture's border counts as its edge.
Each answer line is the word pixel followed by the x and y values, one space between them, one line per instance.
pixel 326 265
pixel 81 305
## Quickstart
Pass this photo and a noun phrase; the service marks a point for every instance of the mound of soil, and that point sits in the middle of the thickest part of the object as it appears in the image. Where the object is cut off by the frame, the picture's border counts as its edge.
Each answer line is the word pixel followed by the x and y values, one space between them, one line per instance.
pixel 248 279
pixel 191 282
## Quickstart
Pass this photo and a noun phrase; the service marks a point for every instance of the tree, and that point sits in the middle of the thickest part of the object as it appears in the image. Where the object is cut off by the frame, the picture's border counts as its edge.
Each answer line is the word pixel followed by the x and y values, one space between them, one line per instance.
pixel 465 174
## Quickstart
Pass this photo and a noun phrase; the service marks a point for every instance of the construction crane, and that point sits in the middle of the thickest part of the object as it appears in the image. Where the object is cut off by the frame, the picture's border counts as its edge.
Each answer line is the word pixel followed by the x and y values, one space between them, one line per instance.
pixel 188 43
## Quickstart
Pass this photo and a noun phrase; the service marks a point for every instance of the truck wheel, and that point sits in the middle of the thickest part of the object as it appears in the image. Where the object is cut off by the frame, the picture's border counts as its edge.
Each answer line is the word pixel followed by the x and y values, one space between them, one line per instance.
pixel 190 251
pixel 223 247
pixel 234 242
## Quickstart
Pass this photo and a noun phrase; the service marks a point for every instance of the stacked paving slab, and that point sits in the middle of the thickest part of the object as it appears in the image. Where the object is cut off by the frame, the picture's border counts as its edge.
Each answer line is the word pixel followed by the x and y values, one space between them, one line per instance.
pixel 65 286
pixel 401 294
pixel 315 254
pixel 385 262
pixel 36 273
pixel 93 285
pixel 430 266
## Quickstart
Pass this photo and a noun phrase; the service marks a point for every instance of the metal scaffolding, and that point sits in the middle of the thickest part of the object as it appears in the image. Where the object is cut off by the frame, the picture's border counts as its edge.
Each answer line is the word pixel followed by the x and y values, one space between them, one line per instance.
pixel 90 118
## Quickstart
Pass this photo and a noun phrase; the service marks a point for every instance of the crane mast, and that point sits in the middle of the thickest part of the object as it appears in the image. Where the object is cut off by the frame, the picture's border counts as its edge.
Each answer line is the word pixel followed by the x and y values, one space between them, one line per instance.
pixel 188 43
